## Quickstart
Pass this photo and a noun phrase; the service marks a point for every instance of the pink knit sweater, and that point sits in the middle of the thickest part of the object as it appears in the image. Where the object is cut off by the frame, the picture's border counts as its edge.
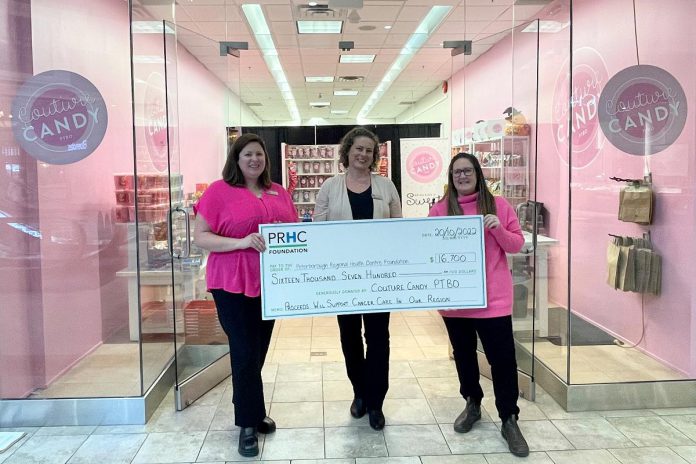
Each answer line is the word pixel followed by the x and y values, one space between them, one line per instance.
pixel 507 238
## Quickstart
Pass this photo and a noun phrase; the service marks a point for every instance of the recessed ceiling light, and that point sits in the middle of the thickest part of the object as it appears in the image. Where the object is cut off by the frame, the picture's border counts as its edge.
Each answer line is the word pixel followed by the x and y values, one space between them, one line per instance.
pixel 319 27
pixel 319 104
pixel 339 111
pixel 357 58
pixel 387 27
pixel 313 3
pixel 345 93
pixel 545 26
pixel 319 78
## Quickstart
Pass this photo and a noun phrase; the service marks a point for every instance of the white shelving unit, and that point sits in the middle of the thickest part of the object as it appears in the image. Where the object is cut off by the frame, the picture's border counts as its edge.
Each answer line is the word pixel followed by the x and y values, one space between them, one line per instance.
pixel 312 165
pixel 505 163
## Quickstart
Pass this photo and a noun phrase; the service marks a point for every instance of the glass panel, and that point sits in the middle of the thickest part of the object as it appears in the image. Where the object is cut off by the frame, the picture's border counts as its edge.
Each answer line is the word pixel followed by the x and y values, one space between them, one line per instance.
pixel 149 266
pixel 497 128
pixel 202 141
pixel 530 296
pixel 548 180
pixel 631 122
pixel 65 130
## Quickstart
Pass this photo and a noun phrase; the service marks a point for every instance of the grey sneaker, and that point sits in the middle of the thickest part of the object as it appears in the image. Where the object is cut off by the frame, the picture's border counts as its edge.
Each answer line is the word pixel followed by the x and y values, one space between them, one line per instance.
pixel 466 420
pixel 513 435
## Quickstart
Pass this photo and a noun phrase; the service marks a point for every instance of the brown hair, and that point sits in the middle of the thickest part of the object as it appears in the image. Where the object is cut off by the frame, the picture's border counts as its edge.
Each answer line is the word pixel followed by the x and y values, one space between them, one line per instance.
pixel 485 203
pixel 348 140
pixel 231 173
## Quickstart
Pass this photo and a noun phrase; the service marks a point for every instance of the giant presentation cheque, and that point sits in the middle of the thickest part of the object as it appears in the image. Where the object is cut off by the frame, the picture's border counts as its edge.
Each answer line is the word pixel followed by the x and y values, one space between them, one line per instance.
pixel 343 267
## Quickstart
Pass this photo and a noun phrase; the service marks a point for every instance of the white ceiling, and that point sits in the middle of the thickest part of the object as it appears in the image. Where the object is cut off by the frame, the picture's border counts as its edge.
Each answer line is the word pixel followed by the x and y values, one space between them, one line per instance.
pixel 201 24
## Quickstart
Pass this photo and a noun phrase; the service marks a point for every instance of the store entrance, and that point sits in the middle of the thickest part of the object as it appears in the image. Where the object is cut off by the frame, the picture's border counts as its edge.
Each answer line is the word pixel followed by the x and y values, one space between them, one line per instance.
pixel 178 150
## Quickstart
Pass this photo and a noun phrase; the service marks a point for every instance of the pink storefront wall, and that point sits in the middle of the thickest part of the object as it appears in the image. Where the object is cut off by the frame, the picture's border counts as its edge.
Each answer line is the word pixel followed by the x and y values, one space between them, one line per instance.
pixel 83 300
pixel 603 38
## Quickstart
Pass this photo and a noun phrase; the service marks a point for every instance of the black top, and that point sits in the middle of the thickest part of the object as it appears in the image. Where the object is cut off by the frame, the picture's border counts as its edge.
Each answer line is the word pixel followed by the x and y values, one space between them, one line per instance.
pixel 361 204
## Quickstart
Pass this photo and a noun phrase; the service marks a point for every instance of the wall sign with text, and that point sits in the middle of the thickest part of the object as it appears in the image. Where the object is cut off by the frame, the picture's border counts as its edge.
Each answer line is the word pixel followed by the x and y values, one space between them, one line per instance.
pixel 59 117
pixel 642 110
pixel 589 76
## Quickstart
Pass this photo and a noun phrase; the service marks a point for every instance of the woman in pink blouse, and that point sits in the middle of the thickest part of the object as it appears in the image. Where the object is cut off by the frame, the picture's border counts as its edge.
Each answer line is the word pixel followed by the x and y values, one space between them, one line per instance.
pixel 467 193
pixel 227 224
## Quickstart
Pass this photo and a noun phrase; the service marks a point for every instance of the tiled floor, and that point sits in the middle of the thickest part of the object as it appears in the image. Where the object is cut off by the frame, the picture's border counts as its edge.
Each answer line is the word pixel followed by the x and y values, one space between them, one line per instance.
pixel 308 395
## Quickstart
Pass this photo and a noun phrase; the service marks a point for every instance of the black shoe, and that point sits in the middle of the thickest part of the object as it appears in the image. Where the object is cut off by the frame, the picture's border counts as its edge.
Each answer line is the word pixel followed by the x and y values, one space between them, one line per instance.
pixel 466 420
pixel 248 442
pixel 357 408
pixel 376 419
pixel 513 435
pixel 266 426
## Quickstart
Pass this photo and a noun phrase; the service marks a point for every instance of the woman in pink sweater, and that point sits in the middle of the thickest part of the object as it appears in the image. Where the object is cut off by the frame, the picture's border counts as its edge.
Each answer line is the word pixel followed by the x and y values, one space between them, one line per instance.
pixel 468 194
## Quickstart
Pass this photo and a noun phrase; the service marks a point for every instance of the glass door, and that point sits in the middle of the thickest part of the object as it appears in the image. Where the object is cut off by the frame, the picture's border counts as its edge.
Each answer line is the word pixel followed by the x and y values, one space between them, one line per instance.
pixel 500 136
pixel 197 150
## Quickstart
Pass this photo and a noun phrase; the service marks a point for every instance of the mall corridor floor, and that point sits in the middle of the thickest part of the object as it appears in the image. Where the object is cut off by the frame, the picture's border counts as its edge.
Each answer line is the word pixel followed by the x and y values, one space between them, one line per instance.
pixel 308 395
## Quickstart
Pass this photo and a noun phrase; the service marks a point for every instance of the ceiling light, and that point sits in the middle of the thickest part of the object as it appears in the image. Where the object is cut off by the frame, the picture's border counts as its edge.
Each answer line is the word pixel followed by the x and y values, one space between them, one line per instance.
pixel 357 58
pixel 545 26
pixel 425 29
pixel 312 3
pixel 319 104
pixel 318 78
pixel 345 93
pixel 339 111
pixel 259 26
pixel 319 27
pixel 387 27
pixel 151 27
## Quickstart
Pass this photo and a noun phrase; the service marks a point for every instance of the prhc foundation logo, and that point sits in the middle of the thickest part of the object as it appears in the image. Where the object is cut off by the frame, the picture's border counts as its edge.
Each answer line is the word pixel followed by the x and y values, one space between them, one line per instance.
pixel 156 127
pixel 589 76
pixel 424 164
pixel 285 242
pixel 59 117
pixel 642 110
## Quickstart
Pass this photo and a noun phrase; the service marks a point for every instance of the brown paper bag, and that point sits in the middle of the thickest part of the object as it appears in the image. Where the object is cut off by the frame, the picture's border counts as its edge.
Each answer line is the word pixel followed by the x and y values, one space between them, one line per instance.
pixel 643 259
pixel 636 204
pixel 612 264
pixel 655 286
pixel 627 268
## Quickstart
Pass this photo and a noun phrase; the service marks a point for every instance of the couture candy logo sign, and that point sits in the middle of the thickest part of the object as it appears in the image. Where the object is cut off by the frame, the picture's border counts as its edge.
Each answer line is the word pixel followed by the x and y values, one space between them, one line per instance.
pixel 424 164
pixel 589 76
pixel 61 117
pixel 642 110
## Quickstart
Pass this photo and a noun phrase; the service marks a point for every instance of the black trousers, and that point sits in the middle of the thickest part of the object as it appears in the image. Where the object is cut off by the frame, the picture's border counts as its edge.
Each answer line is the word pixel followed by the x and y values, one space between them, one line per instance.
pixel 498 346
pixel 249 337
pixel 368 371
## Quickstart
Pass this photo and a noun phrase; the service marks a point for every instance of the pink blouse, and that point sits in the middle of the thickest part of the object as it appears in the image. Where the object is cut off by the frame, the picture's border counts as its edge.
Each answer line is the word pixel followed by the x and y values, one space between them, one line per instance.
pixel 236 212
pixel 507 238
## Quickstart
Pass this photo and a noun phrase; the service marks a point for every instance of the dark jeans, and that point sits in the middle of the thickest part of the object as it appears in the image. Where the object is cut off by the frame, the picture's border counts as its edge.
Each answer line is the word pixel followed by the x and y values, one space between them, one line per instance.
pixel 499 347
pixel 249 337
pixel 367 371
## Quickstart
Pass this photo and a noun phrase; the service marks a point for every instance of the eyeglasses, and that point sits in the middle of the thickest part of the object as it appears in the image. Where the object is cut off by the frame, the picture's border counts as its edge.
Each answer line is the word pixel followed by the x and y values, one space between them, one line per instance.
pixel 465 172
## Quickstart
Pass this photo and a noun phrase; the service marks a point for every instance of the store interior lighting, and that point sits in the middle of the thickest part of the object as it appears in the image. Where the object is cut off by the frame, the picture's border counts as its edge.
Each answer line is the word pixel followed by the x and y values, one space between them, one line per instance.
pixel 262 34
pixel 357 58
pixel 319 27
pixel 421 35
pixel 311 79
pixel 545 26
pixel 345 93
